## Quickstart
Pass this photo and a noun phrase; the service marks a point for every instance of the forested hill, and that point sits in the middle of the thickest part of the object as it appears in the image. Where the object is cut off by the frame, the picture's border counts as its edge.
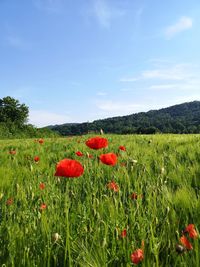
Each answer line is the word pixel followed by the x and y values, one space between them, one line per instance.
pixel 183 118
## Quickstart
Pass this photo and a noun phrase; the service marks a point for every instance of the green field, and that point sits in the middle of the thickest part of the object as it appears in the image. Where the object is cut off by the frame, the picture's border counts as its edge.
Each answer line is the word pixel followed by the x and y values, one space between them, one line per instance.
pixel 87 215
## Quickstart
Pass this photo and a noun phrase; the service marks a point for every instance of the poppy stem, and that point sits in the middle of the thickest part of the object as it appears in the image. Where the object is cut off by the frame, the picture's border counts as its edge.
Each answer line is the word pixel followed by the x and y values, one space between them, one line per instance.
pixel 67 244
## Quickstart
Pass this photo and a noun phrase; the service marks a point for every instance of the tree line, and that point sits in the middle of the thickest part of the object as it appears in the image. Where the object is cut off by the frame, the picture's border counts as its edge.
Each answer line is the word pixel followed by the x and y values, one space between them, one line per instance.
pixel 14 121
pixel 177 119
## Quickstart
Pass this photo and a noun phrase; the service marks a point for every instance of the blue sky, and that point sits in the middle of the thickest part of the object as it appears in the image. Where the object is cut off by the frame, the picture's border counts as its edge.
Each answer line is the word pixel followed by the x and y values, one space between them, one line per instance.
pixel 81 60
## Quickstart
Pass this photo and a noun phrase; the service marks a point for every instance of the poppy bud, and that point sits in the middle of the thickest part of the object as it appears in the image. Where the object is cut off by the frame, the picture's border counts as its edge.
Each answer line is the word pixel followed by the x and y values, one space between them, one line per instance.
pixel 12 152
pixel 124 233
pixel 43 206
pixel 122 148
pixel 180 249
pixel 9 201
pixel 55 237
pixel 41 141
pixel 133 161
pixel 79 153
pixel 36 158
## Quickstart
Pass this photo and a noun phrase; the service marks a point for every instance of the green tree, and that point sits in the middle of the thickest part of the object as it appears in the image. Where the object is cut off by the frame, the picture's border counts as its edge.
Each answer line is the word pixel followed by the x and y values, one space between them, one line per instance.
pixel 12 112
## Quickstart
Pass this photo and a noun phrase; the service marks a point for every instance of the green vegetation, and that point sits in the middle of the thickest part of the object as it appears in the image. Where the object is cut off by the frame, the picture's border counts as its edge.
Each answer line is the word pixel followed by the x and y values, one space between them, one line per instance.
pixel 13 119
pixel 51 221
pixel 184 118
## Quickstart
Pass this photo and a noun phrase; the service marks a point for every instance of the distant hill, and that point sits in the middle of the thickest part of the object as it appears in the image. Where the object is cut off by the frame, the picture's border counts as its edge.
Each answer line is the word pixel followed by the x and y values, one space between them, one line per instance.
pixel 61 125
pixel 183 118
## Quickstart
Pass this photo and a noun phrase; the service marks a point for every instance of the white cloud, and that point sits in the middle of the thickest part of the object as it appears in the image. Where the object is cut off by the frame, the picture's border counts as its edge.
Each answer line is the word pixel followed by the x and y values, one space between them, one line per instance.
pixel 126 89
pixel 41 118
pixel 105 13
pixel 101 93
pixel 111 108
pixel 189 85
pixel 133 79
pixel 167 77
pixel 163 86
pixel 118 107
pixel 174 73
pixel 183 99
pixel 184 23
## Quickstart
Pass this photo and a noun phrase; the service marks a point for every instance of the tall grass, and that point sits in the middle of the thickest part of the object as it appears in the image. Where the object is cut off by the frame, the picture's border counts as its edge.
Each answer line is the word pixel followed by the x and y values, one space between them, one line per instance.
pixel 88 217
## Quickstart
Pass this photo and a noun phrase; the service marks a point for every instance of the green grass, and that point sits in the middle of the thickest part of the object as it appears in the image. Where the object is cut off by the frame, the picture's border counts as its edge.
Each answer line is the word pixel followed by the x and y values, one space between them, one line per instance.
pixel 87 215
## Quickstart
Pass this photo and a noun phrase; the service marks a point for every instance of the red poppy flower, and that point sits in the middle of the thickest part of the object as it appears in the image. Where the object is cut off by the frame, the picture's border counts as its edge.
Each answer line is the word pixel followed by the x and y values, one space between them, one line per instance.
pixel 108 159
pixel 135 196
pixel 137 256
pixel 113 186
pixel 36 158
pixel 193 234
pixel 79 153
pixel 12 152
pixel 69 168
pixel 41 141
pixel 97 142
pixel 43 206
pixel 9 201
pixel 191 230
pixel 124 233
pixel 185 242
pixel 42 186
pixel 122 148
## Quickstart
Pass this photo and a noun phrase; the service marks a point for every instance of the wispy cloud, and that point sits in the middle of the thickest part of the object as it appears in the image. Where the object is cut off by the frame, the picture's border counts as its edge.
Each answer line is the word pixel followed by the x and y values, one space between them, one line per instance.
pixel 176 72
pixel 183 99
pixel 101 93
pixel 173 72
pixel 126 89
pixel 41 118
pixel 105 12
pixel 129 79
pixel 163 86
pixel 183 24
pixel 168 76
pixel 118 107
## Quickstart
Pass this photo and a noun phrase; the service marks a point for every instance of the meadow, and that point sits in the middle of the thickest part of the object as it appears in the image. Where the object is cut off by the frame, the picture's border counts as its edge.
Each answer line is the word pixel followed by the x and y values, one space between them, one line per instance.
pixel 145 201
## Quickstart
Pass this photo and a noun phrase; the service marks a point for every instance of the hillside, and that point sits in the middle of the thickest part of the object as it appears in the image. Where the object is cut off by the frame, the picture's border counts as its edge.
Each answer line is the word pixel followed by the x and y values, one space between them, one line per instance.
pixel 182 118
